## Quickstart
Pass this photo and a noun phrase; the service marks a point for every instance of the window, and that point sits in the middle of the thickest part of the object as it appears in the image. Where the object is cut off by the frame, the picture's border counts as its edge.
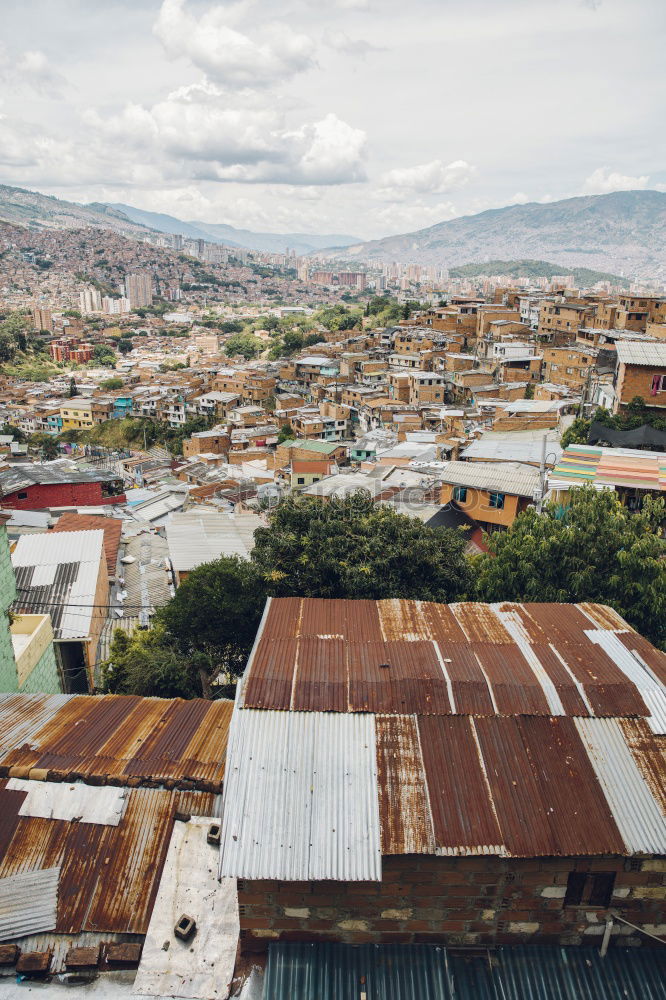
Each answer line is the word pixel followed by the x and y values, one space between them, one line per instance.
pixel 301 480
pixel 460 494
pixel 23 495
pixel 589 889
pixel 496 501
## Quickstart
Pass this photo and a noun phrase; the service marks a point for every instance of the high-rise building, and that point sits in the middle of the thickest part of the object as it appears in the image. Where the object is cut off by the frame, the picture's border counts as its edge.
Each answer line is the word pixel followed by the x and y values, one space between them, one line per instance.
pixel 139 289
pixel 303 270
pixel 90 300
pixel 116 306
pixel 42 319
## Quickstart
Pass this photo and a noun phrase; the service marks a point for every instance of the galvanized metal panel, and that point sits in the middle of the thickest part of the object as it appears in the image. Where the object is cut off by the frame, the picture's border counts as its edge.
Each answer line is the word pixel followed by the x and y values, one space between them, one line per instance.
pixel 654 658
pixel 28 903
pixel 301 797
pixel 638 816
pixel 643 680
pixel 403 677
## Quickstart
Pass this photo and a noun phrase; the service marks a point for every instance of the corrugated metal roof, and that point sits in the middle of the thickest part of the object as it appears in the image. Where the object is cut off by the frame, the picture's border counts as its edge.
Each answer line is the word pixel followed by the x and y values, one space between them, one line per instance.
pixel 505 477
pixel 324 971
pixel 24 475
pixel 509 659
pixel 94 858
pixel 57 574
pixel 83 803
pixel 28 903
pixel 196 537
pixel 301 797
pixel 636 352
pixel 113 737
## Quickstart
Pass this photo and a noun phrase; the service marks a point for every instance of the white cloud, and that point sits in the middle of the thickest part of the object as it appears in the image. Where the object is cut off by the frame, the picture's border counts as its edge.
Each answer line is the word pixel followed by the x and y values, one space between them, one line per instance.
pixel 603 181
pixel 401 218
pixel 226 54
pixel 32 69
pixel 341 42
pixel 426 178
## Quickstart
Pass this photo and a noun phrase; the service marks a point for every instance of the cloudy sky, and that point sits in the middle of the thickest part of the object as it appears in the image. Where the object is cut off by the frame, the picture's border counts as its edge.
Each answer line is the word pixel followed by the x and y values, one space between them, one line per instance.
pixel 366 117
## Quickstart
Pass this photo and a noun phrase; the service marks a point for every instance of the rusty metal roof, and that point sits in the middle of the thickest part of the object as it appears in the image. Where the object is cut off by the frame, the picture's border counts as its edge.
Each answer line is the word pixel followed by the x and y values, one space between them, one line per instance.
pixel 108 874
pixel 412 657
pixel 112 738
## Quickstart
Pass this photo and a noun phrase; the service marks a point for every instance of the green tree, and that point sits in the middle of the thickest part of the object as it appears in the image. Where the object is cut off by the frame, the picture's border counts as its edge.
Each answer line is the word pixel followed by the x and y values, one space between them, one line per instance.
pixel 103 355
pixel 285 433
pixel 351 547
pixel 213 619
pixel 146 663
pixel 125 345
pixel 47 444
pixel 111 383
pixel 73 391
pixel 594 549
pixel 243 344
pixel 292 341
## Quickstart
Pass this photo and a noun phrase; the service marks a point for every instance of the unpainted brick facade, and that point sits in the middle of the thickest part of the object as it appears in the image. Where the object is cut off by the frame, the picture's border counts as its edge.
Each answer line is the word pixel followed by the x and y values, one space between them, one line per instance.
pixel 457 901
pixel 44 495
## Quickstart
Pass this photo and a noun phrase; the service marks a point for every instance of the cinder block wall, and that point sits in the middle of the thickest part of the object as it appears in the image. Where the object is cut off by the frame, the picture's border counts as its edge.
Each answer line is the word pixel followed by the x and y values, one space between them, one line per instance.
pixel 455 901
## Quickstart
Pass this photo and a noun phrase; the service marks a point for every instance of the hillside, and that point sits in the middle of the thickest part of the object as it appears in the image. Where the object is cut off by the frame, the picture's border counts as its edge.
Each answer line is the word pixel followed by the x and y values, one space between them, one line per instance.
pixel 583 276
pixel 623 232
pixel 39 211
pixel 302 243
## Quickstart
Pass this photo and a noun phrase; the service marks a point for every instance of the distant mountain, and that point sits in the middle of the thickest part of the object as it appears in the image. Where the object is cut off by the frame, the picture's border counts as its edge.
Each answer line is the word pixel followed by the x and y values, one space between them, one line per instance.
pixel 620 232
pixel 41 211
pixel 535 269
pixel 302 243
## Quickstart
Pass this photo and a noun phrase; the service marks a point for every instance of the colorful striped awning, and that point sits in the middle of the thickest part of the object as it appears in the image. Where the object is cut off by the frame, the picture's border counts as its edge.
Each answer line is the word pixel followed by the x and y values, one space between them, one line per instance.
pixel 631 468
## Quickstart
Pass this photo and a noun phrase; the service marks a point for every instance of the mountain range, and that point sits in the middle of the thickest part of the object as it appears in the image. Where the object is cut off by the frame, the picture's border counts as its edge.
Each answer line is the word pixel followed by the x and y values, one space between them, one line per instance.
pixel 622 232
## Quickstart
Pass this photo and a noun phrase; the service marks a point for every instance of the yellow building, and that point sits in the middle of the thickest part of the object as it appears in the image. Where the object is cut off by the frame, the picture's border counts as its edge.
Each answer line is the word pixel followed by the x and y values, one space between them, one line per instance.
pixel 77 414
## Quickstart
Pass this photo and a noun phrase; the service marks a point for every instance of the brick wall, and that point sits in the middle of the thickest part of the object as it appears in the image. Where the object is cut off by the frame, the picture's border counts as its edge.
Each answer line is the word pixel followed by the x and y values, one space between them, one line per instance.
pixel 636 380
pixel 45 495
pixel 455 901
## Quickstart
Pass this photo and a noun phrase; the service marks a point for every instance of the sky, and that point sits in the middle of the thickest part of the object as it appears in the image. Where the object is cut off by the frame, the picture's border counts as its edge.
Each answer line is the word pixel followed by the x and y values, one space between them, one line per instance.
pixel 355 117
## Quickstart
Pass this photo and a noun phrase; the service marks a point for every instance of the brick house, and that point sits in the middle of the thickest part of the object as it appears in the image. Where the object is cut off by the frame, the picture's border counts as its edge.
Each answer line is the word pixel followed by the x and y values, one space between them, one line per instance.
pixel 57 484
pixel 641 371
pixel 406 772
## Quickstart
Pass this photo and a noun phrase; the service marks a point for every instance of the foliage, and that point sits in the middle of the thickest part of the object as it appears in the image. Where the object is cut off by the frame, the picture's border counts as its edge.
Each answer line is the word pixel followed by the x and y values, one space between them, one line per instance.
pixel 14 329
pixel 584 277
pixel 350 547
pixel 636 415
pixel 125 345
pixel 72 313
pixel 146 663
pixel 213 619
pixel 111 383
pixel 104 355
pixel 592 550
pixel 338 317
pixel 73 391
pixel 284 434
pixel 19 435
pixel 529 390
pixel 243 344
pixel 47 444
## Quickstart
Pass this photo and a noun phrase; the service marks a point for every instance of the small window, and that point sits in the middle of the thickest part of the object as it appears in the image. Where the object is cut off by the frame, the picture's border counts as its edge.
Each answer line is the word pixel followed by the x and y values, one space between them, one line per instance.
pixel 589 889
pixel 496 501
pixel 23 495
pixel 460 494
pixel 301 480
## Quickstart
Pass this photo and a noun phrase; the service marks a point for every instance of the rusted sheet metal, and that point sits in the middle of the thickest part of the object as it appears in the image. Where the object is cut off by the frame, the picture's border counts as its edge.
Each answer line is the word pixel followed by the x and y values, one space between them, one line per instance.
pixel 515 687
pixel 604 617
pixel 606 687
pixel 321 682
pixel 322 618
pixel 403 677
pixel 480 623
pixel 572 695
pixel 521 614
pixel 108 874
pixel 649 752
pixel 654 658
pixel 514 789
pixel 560 622
pixel 471 694
pixel 283 618
pixel 404 809
pixel 115 736
pixel 362 621
pixel 578 814
pixel 403 620
pixel 272 673
pixel 23 715
pixel 463 815
pixel 443 626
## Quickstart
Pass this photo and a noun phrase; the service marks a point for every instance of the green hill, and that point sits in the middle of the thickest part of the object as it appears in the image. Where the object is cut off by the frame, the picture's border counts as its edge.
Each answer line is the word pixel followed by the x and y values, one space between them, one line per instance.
pixel 583 276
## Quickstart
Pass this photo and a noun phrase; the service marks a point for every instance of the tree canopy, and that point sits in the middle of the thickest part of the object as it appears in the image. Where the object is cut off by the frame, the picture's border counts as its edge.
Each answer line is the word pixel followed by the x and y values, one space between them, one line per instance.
pixel 592 550
pixel 353 548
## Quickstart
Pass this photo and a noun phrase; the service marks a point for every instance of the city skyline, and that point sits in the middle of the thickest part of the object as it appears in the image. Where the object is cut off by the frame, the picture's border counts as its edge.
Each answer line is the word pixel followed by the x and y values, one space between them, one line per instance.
pixel 352 116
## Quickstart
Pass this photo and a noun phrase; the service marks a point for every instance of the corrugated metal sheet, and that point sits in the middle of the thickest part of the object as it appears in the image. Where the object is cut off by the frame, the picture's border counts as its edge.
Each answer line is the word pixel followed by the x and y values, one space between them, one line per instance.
pixel 108 874
pixel 427 972
pixel 638 816
pixel 57 574
pixel 301 797
pixel 28 903
pixel 404 806
pixel 348 972
pixel 507 659
pixel 74 802
pixel 115 736
pixel 196 537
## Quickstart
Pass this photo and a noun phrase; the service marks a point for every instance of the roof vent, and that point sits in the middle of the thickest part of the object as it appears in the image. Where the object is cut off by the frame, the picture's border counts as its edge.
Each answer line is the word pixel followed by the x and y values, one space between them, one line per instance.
pixel 384 666
pixel 185 927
